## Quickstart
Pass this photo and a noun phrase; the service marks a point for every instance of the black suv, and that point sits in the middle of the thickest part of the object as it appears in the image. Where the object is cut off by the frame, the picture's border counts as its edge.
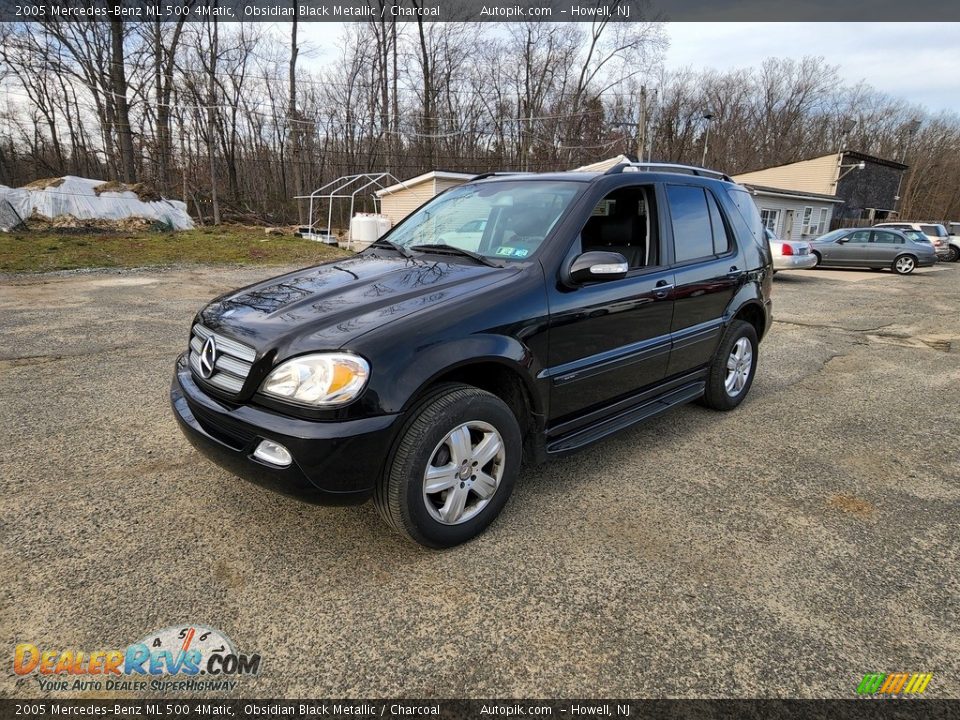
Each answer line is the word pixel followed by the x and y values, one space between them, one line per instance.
pixel 420 371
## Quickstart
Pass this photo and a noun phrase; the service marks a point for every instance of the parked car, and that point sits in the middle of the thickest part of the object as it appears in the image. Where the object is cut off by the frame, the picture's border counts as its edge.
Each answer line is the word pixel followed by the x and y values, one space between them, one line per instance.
pixel 953 239
pixel 467 236
pixel 873 248
pixel 417 373
pixel 936 233
pixel 790 254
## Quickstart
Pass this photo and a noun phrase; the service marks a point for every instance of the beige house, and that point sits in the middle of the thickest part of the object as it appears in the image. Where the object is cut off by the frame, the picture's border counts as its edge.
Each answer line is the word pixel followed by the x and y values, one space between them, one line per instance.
pixel 867 187
pixel 398 201
pixel 817 175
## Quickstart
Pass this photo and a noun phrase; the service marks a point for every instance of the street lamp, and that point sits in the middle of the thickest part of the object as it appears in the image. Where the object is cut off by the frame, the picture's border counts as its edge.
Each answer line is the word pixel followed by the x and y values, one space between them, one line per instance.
pixel 708 116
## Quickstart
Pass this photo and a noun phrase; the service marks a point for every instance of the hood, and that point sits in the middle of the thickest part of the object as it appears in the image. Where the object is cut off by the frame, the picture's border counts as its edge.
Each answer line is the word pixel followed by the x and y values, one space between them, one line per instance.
pixel 324 307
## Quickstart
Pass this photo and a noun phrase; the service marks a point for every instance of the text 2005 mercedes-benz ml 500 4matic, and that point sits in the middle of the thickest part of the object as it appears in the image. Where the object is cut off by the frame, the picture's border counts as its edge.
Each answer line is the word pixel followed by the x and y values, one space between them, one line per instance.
pixel 513 316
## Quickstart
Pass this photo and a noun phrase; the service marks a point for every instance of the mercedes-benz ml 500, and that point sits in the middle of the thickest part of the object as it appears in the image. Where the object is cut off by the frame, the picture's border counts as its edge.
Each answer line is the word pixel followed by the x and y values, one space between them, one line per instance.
pixel 419 372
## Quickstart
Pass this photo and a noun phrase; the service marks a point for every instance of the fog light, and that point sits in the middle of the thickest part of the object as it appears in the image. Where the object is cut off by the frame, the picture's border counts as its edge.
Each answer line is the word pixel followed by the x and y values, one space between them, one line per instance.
pixel 273 453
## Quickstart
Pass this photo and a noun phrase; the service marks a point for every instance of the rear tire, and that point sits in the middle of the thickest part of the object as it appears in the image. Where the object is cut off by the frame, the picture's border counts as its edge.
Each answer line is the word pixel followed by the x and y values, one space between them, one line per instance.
pixel 733 367
pixel 453 469
pixel 954 254
pixel 904 265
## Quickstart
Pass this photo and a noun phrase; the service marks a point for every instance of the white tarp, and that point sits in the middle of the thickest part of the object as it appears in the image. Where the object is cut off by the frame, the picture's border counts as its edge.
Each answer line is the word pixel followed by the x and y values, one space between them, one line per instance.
pixel 75 196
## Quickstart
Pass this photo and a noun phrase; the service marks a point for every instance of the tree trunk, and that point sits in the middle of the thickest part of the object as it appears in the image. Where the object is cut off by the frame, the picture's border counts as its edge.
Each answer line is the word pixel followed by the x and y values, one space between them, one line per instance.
pixel 118 79
pixel 211 122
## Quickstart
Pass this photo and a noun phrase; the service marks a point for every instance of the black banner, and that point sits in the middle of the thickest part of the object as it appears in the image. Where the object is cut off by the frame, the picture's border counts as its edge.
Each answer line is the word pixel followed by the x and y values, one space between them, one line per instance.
pixel 456 709
pixel 476 10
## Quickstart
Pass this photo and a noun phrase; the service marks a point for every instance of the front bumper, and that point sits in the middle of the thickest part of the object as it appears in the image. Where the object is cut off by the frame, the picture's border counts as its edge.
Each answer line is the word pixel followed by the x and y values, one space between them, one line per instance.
pixel 943 252
pixel 794 262
pixel 334 463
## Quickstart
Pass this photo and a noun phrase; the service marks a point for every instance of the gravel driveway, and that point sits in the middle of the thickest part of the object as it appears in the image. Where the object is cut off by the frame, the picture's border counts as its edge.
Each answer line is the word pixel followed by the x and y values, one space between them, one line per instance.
pixel 782 550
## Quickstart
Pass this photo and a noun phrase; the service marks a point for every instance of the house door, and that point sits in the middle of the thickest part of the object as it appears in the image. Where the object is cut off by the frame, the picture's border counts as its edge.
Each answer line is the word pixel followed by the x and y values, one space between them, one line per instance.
pixel 787 225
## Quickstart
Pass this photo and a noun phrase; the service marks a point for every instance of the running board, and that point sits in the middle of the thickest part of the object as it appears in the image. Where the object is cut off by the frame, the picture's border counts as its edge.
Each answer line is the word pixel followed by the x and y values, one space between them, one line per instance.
pixel 651 408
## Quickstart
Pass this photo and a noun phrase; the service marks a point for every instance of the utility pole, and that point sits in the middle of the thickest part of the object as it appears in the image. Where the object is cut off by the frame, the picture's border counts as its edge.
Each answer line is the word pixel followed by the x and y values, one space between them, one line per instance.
pixel 642 124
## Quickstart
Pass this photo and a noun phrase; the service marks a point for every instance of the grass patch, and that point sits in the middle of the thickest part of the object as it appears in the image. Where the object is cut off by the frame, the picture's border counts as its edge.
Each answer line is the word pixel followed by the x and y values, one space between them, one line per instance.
pixel 52 249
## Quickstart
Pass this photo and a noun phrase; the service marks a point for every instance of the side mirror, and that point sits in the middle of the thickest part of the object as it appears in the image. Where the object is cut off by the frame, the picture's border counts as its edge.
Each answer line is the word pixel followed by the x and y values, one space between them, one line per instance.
pixel 841 241
pixel 597 266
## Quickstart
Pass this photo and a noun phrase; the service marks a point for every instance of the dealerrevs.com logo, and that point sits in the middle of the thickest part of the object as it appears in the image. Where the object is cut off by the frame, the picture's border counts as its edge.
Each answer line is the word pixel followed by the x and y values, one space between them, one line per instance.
pixel 200 657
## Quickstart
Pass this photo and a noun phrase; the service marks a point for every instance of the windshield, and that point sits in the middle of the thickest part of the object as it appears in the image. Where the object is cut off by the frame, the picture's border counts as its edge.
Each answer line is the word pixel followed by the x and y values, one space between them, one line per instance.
pixel 501 220
pixel 831 236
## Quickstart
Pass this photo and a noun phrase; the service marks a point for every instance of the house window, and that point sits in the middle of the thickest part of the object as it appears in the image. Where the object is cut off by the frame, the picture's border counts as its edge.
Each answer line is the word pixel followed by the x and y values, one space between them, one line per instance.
pixel 821 226
pixel 814 221
pixel 771 219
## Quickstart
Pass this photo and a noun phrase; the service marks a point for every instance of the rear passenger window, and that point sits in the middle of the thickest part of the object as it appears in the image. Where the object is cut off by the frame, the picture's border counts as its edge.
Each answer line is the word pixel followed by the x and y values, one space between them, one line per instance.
pixel 886 237
pixel 721 236
pixel 691 219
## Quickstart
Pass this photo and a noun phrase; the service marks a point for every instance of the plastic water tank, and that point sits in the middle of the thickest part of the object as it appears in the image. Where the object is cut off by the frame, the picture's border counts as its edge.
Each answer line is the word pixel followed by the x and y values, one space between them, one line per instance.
pixel 365 228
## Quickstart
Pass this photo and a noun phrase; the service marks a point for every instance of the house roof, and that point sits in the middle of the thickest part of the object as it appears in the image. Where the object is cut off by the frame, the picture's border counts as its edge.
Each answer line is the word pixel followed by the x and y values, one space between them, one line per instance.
pixel 795 194
pixel 426 177
pixel 873 159
pixel 853 154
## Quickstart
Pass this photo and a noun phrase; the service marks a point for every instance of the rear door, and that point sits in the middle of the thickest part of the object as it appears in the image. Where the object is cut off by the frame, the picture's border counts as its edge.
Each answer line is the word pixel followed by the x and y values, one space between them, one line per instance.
pixel 885 247
pixel 708 269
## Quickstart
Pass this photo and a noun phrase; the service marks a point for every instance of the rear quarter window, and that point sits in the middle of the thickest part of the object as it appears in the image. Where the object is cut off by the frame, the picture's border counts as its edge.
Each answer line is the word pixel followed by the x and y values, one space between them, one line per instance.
pixel 748 211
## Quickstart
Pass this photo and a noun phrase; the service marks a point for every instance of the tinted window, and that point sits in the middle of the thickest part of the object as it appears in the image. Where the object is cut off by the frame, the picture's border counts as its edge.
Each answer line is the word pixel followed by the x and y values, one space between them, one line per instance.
pixel 885 237
pixel 748 210
pixel 721 236
pixel 935 230
pixel 692 234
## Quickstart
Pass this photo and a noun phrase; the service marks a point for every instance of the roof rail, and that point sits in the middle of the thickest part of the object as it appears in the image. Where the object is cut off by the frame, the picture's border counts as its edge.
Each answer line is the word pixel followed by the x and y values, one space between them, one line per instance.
pixel 669 167
pixel 481 176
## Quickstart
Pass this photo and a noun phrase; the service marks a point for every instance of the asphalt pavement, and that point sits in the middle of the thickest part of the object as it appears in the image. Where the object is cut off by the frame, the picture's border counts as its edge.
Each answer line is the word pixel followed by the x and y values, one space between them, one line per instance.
pixel 781 550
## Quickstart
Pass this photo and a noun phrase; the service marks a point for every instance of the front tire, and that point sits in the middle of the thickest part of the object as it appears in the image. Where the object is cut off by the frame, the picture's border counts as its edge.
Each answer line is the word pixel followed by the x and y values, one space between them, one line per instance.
pixel 904 265
pixel 733 367
pixel 453 468
pixel 819 260
pixel 954 254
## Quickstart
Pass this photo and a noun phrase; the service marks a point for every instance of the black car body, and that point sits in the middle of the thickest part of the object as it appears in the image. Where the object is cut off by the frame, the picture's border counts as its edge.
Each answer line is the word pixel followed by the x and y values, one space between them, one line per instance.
pixel 557 329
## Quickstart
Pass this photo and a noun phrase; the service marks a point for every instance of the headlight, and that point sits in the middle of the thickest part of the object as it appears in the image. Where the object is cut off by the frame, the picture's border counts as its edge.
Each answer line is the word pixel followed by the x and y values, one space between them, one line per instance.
pixel 322 380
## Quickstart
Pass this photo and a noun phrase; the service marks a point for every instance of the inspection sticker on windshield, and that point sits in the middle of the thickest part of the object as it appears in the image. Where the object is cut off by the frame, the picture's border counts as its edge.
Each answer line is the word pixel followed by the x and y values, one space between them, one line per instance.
pixel 512 252
pixel 504 251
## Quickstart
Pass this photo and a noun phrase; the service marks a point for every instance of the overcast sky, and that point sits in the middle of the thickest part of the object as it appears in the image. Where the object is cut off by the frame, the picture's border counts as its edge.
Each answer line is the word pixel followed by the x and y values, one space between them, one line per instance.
pixel 919 62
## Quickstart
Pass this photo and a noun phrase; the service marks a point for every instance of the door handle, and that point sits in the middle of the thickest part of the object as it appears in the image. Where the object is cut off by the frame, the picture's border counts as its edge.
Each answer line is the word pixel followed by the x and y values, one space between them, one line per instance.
pixel 662 289
pixel 734 273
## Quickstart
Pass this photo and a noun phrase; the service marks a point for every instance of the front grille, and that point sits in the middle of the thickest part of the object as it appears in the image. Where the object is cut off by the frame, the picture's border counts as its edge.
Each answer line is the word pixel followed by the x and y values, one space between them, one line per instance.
pixel 233 364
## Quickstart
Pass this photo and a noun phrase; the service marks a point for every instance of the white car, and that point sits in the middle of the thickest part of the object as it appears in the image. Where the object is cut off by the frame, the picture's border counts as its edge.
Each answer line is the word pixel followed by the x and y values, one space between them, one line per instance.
pixel 790 254
pixel 937 235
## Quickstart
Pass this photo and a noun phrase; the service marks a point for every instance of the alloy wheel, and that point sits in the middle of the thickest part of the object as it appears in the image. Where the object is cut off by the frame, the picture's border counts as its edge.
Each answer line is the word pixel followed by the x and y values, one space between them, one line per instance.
pixel 464 472
pixel 905 265
pixel 739 364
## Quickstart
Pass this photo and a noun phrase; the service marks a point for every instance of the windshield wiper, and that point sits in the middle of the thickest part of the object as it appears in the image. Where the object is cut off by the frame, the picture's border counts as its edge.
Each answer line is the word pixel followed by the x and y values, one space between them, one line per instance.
pixel 453 250
pixel 393 246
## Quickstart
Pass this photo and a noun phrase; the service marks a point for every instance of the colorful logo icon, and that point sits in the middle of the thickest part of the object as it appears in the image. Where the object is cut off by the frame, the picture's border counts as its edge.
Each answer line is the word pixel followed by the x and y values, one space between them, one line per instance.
pixel 894 683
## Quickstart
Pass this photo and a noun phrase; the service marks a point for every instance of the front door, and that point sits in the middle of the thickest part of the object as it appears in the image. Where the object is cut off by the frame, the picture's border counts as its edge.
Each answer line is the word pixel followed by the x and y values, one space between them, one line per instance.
pixel 610 339
pixel 851 249
pixel 787 225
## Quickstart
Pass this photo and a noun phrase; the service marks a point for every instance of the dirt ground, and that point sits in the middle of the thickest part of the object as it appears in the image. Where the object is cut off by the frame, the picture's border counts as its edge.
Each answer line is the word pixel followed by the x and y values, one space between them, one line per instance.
pixel 781 550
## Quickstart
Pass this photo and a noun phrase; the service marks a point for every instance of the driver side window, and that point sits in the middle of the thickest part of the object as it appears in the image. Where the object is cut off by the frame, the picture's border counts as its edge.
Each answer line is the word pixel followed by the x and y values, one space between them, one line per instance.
pixel 625 222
